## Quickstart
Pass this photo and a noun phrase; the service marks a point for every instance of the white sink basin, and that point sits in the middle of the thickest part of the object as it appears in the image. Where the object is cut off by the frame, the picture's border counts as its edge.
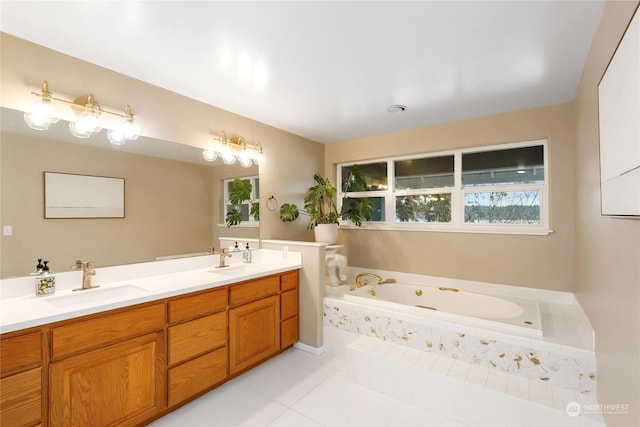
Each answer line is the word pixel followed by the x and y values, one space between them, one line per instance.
pixel 95 295
pixel 237 270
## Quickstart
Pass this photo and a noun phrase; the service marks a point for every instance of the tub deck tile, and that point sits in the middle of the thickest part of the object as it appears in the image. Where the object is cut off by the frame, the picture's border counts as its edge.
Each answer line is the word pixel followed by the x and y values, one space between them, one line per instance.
pixel 454 389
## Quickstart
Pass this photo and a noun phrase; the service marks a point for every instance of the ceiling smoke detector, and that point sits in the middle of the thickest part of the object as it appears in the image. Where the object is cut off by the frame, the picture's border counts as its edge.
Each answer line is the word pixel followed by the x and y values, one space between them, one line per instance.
pixel 398 108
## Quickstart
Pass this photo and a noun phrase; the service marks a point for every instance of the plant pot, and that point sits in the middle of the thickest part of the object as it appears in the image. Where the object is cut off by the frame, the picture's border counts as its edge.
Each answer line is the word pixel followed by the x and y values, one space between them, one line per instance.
pixel 326 233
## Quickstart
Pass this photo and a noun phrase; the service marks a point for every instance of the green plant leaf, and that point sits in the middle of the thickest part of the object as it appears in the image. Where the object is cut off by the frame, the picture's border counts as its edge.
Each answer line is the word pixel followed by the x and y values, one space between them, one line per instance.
pixel 255 211
pixel 289 212
pixel 234 217
pixel 240 191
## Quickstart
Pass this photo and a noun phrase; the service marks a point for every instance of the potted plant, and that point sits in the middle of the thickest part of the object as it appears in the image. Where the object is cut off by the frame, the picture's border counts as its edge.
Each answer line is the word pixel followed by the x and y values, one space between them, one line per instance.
pixel 240 193
pixel 320 206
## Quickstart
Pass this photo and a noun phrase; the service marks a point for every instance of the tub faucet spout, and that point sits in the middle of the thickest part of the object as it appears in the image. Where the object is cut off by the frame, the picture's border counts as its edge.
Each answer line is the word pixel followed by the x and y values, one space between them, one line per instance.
pixel 379 279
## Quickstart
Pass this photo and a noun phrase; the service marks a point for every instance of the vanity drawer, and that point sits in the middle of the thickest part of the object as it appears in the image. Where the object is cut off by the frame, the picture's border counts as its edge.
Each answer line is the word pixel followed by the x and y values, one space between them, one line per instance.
pixel 85 334
pixel 190 307
pixel 254 290
pixel 197 375
pixel 20 351
pixel 197 336
pixel 288 304
pixel 289 280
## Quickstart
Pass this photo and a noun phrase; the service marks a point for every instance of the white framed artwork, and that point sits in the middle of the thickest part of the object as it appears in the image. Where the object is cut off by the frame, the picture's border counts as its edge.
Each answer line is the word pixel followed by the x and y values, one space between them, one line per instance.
pixel 619 121
pixel 82 196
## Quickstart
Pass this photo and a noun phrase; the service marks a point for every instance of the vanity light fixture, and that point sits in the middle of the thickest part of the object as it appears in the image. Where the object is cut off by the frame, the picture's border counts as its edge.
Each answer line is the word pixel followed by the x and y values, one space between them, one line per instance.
pixel 233 149
pixel 88 112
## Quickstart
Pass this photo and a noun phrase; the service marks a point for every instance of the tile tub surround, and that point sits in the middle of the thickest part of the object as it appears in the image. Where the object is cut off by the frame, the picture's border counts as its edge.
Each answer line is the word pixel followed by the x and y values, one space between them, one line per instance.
pixel 563 357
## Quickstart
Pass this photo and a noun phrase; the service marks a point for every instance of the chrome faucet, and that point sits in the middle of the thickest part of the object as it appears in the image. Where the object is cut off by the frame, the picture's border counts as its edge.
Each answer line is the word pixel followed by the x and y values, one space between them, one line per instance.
pixel 223 255
pixel 87 272
pixel 379 279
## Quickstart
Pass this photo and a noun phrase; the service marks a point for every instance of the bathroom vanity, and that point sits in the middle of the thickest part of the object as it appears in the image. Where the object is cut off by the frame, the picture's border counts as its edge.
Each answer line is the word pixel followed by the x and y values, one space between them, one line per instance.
pixel 142 359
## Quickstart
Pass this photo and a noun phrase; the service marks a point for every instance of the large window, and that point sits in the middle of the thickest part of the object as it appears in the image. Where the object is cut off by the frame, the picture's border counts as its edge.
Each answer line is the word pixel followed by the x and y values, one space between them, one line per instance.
pixel 490 189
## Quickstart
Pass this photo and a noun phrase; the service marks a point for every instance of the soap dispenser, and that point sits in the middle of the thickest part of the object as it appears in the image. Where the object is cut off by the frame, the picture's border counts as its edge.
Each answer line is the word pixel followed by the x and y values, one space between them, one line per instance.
pixel 45 281
pixel 38 269
pixel 246 256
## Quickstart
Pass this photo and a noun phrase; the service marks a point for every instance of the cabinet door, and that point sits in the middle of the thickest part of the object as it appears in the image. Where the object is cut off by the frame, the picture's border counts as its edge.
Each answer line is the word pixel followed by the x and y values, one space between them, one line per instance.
pixel 289 332
pixel 122 384
pixel 254 333
pixel 20 399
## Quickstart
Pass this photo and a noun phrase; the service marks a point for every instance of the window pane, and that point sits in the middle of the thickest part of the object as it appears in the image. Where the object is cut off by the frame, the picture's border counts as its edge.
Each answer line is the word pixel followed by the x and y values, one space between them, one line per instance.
pixel 377 211
pixel 243 209
pixel 424 208
pixel 375 174
pixel 513 166
pixel 432 172
pixel 504 207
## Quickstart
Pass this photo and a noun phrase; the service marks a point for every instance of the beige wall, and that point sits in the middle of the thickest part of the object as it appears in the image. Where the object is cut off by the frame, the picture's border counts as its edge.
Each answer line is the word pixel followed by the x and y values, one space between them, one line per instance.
pixel 607 267
pixel 168 207
pixel 534 261
pixel 290 160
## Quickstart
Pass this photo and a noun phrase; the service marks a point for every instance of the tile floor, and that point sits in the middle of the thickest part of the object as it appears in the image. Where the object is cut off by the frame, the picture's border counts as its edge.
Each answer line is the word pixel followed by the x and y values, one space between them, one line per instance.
pixel 297 388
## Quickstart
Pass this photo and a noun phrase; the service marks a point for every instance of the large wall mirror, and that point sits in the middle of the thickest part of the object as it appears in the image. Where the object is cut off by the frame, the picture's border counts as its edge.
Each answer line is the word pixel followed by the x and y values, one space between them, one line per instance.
pixel 174 199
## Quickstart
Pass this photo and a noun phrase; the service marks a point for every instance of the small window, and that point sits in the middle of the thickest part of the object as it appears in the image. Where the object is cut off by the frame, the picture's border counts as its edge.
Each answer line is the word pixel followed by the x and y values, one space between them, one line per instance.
pixel 245 208
pixel 502 207
pixel 374 173
pixel 513 166
pixel 430 172
pixel 424 208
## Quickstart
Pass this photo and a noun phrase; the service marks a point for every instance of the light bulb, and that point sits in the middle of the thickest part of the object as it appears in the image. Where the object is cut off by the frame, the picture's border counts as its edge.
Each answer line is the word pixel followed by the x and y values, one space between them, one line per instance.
pixel 116 137
pixel 128 128
pixel 228 158
pixel 86 125
pixel 245 159
pixel 126 131
pixel 130 131
pixel 209 154
pixel 79 130
pixel 227 155
pixel 259 158
pixel 42 115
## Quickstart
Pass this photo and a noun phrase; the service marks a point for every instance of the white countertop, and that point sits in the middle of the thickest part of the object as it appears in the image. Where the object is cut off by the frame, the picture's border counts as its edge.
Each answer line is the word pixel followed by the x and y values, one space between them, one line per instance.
pixel 128 285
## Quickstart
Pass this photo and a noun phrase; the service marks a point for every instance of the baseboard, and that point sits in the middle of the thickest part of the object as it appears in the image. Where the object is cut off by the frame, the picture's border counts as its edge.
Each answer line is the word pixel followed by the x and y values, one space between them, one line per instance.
pixel 309 349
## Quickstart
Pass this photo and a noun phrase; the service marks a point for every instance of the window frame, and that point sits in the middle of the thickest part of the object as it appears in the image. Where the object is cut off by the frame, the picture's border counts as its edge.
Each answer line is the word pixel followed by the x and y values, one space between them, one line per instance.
pixel 251 222
pixel 458 192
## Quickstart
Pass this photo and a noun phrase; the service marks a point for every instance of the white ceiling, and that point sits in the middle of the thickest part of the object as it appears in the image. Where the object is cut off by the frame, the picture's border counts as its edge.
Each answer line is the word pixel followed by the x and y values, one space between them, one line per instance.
pixel 329 70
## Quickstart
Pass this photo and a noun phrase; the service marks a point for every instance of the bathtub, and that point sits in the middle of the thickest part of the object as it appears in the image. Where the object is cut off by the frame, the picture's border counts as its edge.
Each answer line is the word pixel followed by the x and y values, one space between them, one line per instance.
pixel 515 314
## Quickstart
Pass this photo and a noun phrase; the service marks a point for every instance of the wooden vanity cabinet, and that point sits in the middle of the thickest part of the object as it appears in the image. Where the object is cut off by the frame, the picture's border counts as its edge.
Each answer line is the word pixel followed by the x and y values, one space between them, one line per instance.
pixel 108 369
pixel 21 379
pixel 197 358
pixel 128 366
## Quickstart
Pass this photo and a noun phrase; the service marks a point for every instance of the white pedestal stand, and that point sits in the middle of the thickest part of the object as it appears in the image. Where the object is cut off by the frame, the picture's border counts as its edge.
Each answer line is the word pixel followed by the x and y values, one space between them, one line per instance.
pixel 335 266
